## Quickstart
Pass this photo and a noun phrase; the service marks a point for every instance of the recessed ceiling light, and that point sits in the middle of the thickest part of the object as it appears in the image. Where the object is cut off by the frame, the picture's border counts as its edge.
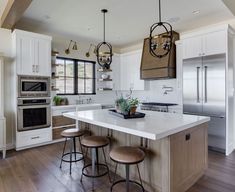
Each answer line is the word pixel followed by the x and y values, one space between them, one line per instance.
pixel 196 12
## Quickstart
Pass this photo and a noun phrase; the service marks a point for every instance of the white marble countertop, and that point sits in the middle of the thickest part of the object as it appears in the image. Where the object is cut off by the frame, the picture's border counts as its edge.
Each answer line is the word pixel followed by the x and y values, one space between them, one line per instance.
pixel 74 106
pixel 155 125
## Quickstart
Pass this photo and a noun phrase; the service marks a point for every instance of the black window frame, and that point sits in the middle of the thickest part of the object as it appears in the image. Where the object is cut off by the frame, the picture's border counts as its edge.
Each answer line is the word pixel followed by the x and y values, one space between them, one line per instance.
pixel 75 63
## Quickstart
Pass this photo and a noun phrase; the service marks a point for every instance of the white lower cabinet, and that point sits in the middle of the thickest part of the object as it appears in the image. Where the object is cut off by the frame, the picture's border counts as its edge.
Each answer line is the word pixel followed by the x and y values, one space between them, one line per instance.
pixel 26 139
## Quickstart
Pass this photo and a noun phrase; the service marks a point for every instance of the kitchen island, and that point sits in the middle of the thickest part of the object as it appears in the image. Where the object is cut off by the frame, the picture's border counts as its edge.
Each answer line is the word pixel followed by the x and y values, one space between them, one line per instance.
pixel 175 145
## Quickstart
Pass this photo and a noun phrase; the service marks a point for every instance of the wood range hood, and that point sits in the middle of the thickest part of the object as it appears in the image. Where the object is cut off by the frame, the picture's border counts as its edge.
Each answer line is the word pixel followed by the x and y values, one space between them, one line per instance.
pixel 158 68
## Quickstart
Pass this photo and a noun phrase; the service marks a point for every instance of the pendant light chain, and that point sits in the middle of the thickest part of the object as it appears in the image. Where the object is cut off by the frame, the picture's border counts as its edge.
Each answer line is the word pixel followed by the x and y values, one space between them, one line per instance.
pixel 104 51
pixel 160 12
pixel 104 26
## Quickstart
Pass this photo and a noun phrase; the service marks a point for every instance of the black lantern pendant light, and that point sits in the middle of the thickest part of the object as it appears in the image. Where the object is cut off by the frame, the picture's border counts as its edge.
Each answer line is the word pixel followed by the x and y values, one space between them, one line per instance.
pixel 160 45
pixel 104 51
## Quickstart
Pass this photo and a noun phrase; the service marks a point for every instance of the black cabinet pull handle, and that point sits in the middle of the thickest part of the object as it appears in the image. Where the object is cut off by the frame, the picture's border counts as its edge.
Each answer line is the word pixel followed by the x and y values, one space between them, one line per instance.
pixel 187 137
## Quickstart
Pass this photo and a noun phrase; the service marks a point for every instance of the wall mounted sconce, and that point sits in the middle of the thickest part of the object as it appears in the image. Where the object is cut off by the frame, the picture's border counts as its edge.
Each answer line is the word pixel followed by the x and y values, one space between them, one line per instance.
pixel 88 53
pixel 75 47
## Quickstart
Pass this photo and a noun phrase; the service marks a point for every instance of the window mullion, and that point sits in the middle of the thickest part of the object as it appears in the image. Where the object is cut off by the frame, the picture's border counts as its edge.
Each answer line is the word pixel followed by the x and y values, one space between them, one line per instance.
pixel 84 78
pixel 75 77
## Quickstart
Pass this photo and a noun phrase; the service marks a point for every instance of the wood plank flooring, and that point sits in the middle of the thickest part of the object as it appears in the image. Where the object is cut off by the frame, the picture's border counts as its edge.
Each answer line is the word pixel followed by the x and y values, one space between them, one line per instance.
pixel 37 170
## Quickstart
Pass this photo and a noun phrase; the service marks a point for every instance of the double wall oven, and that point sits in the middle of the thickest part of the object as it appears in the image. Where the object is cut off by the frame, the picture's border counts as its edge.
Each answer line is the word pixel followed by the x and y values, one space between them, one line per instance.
pixel 34 103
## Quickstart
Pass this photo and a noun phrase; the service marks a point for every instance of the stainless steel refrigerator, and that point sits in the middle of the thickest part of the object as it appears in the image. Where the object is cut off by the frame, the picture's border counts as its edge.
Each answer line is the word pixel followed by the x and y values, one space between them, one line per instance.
pixel 204 89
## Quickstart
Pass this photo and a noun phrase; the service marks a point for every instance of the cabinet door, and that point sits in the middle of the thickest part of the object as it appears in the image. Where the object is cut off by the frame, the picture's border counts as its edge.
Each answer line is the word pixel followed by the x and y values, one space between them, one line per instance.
pixel 25 55
pixel 138 84
pixel 192 47
pixel 214 43
pixel 188 157
pixel 130 71
pixel 42 57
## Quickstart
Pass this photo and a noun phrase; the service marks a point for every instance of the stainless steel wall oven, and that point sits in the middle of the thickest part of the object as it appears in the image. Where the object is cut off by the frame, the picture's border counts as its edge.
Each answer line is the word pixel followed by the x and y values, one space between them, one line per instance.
pixel 33 113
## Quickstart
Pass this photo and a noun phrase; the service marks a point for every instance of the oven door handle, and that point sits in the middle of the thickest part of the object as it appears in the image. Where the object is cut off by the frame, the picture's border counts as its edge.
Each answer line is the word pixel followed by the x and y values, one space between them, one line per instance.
pixel 34 106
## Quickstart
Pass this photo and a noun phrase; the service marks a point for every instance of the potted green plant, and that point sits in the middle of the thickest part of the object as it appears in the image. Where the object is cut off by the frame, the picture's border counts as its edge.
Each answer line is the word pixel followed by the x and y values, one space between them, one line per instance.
pixel 118 104
pixel 57 100
pixel 133 103
pixel 125 107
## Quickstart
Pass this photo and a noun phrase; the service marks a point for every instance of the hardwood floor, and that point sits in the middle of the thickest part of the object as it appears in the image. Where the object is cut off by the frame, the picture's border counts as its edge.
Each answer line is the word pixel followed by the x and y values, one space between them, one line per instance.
pixel 37 170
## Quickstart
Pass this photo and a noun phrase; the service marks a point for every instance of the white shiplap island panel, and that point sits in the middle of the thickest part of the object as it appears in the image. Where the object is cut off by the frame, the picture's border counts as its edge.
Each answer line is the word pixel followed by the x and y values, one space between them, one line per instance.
pixel 154 126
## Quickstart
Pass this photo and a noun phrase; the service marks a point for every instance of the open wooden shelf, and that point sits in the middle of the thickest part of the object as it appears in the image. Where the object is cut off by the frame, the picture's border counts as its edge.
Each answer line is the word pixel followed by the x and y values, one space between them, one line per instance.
pixel 102 80
pixel 104 70
pixel 105 89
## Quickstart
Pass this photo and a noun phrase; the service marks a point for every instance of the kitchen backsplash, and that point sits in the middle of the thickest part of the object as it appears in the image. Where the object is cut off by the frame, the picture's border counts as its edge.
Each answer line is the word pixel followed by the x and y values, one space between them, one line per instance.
pixel 159 91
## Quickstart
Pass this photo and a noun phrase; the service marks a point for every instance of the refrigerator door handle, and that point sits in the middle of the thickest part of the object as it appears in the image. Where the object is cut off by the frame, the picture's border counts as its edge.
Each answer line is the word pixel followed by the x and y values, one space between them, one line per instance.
pixel 205 79
pixel 198 96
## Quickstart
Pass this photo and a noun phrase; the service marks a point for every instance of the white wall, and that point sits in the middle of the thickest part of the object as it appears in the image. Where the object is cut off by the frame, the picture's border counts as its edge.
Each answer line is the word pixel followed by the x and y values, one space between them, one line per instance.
pixel 154 93
pixel 6 51
pixel 60 44
pixel 5 42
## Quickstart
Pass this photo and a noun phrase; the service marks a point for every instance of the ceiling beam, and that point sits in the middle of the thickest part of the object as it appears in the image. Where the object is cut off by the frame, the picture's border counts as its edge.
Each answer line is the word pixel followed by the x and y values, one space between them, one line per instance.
pixel 230 4
pixel 12 12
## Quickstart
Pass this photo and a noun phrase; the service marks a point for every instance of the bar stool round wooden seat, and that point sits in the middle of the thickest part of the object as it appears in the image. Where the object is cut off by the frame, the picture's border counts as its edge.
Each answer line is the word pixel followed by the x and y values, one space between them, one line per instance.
pixel 94 143
pixel 127 156
pixel 72 134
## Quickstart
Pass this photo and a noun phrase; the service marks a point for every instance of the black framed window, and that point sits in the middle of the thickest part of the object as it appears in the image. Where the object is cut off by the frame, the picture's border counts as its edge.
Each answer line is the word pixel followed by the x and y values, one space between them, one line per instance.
pixel 75 77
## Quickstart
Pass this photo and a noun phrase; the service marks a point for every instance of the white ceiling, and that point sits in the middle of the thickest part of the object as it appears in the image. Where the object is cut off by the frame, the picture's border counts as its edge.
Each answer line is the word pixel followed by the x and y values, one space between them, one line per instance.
pixel 127 21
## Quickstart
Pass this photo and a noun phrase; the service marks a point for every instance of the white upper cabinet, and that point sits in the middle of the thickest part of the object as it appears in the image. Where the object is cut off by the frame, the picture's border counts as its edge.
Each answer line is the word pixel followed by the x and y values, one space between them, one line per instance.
pixel 32 53
pixel 25 55
pixel 209 43
pixel 215 43
pixel 43 61
pixel 192 47
pixel 130 71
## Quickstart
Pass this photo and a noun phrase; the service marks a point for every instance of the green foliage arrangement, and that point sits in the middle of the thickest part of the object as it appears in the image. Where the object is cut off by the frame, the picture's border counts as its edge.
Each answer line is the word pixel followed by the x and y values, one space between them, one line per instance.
pixel 125 105
pixel 57 100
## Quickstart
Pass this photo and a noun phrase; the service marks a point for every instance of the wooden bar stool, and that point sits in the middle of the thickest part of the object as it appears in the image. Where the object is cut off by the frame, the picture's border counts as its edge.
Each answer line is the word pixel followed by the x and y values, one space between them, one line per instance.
pixel 94 143
pixel 72 134
pixel 127 156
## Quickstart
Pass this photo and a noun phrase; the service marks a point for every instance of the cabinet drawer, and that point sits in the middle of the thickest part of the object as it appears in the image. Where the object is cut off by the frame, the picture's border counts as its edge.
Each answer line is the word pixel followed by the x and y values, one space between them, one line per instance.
pixel 59 121
pixel 58 112
pixel 27 138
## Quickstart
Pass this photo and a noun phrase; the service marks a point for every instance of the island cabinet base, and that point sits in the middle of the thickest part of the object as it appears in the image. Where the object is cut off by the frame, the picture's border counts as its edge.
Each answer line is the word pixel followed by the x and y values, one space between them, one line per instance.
pixel 172 164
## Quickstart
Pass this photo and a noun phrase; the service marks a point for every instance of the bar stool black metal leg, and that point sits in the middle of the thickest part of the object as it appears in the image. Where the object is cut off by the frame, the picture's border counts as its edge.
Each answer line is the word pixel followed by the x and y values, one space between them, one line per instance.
pixel 79 139
pixel 106 164
pixel 115 173
pixel 97 160
pixel 74 145
pixel 63 153
pixel 139 174
pixel 127 178
pixel 93 153
pixel 71 153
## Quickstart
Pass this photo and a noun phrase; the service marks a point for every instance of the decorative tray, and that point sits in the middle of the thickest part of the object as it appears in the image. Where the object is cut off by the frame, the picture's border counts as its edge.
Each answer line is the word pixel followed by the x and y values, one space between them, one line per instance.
pixel 136 115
